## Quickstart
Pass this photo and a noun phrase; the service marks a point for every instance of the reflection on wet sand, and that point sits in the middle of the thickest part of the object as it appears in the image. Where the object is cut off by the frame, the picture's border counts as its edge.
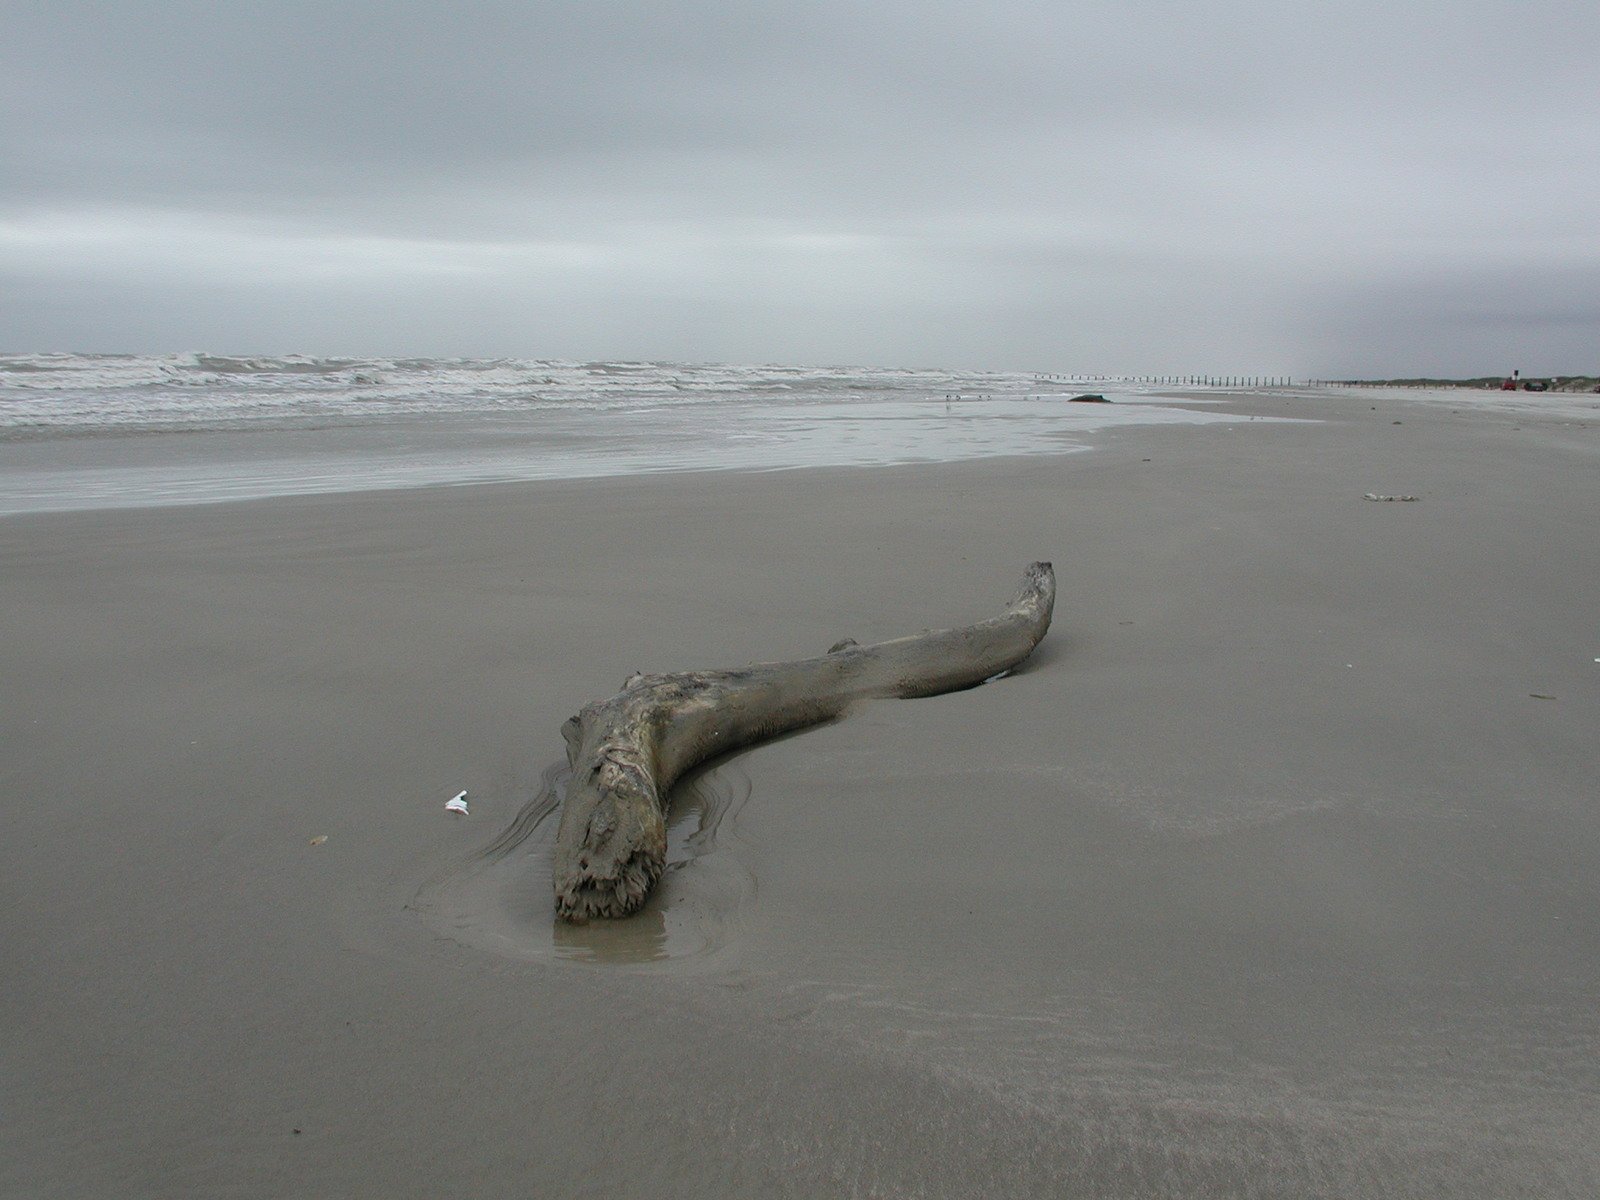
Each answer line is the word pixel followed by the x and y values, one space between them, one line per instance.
pixel 641 938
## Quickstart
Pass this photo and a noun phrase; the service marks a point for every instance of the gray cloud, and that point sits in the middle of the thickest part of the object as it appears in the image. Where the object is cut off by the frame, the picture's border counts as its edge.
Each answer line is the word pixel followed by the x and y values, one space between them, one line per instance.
pixel 1130 186
pixel 1476 319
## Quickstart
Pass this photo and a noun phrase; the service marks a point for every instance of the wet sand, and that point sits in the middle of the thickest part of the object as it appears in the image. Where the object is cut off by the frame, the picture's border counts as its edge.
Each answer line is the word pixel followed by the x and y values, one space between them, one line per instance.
pixel 1274 873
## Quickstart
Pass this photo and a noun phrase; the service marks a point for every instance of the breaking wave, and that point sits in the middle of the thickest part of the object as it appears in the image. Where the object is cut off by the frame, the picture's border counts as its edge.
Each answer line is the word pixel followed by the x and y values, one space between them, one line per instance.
pixel 59 394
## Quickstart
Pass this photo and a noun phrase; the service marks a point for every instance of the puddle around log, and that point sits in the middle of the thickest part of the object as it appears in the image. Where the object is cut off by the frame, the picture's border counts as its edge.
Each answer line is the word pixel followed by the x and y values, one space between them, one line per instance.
pixel 500 899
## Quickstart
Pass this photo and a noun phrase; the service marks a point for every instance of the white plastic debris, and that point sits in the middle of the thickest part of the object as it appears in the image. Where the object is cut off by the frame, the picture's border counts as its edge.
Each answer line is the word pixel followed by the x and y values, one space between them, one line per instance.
pixel 457 804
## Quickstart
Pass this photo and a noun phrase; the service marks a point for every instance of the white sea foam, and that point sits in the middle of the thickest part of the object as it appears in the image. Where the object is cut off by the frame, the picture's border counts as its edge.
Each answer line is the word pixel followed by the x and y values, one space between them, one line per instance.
pixel 351 424
pixel 69 393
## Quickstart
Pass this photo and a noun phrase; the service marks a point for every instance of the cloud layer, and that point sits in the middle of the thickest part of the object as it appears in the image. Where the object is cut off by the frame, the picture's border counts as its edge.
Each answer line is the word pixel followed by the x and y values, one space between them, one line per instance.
pixel 1353 189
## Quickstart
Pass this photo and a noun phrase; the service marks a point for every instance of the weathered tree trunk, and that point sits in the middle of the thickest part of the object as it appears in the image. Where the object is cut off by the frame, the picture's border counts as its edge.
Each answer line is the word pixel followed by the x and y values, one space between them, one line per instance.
pixel 627 751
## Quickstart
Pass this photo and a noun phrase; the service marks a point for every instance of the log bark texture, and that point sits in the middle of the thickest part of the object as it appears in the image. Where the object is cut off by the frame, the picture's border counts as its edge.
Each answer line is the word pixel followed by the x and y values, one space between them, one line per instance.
pixel 626 752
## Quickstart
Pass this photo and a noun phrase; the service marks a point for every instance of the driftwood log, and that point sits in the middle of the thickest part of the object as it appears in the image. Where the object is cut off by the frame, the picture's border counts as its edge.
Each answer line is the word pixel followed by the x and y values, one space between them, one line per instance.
pixel 627 751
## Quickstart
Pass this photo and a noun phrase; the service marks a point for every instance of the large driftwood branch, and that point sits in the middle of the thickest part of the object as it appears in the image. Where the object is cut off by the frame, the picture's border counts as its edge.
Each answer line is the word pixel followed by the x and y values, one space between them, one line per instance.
pixel 627 751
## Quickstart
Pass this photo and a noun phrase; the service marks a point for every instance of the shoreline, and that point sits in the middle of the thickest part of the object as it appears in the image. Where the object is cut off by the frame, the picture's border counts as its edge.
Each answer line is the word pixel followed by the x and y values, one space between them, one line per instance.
pixel 115 469
pixel 131 468
pixel 1270 870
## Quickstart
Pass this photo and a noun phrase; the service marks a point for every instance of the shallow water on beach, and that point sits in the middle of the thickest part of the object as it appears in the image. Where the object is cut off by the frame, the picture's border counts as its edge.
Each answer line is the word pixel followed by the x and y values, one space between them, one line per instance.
pixel 84 431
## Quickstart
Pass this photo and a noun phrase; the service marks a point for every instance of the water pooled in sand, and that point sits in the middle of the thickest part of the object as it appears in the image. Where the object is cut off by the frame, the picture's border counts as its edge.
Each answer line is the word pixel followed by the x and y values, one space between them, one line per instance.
pixel 500 899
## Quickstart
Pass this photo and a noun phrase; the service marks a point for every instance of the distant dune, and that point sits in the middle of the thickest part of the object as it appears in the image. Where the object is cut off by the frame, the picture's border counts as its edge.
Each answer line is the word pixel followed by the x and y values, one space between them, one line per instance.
pixel 1553 383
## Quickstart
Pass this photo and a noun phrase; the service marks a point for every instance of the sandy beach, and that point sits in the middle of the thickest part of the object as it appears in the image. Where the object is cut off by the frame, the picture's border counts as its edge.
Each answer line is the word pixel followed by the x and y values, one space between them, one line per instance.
pixel 1273 873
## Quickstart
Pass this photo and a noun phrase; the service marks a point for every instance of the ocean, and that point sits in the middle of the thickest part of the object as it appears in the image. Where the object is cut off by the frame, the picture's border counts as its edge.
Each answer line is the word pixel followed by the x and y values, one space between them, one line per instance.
pixel 82 431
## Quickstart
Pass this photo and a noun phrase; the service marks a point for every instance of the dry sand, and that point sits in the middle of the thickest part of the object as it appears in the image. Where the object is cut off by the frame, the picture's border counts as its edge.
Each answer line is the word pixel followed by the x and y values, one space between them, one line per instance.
pixel 1274 873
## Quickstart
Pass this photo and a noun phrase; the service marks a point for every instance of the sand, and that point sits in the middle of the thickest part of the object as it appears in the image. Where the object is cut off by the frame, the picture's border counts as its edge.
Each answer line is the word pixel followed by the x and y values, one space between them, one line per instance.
pixel 1274 873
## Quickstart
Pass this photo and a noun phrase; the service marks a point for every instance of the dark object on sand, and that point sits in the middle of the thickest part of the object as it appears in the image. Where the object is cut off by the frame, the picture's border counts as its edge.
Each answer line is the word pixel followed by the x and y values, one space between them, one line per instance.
pixel 1535 385
pixel 627 751
pixel 1091 398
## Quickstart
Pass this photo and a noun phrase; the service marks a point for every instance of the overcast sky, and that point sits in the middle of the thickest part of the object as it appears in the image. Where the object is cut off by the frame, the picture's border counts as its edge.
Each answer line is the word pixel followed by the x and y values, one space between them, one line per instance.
pixel 1345 188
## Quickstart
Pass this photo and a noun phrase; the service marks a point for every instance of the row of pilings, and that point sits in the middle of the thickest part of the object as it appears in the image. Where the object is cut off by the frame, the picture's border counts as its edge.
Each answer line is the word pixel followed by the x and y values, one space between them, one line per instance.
pixel 1230 381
